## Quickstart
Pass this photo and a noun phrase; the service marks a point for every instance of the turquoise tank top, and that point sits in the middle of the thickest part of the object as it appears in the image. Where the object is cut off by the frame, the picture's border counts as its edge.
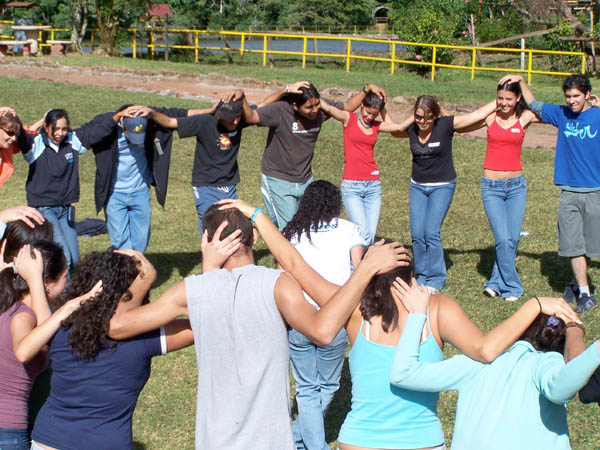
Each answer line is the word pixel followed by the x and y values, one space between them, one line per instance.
pixel 385 416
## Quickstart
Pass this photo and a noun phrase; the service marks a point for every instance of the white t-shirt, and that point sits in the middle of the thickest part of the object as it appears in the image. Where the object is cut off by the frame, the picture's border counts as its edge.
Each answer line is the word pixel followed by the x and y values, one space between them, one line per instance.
pixel 329 252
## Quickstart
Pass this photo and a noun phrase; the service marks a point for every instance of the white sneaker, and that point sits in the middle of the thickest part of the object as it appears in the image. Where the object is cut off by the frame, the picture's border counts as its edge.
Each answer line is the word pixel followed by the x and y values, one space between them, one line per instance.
pixel 511 299
pixel 489 292
pixel 432 290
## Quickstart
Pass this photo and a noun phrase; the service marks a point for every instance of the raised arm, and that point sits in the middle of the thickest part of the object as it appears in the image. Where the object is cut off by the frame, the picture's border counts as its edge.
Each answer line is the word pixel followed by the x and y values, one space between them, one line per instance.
pixel 27 345
pixel 476 117
pixel 160 118
pixel 356 100
pixel 456 328
pixel 342 116
pixel 210 110
pixel 30 267
pixel 293 88
pixel 142 283
pixel 527 94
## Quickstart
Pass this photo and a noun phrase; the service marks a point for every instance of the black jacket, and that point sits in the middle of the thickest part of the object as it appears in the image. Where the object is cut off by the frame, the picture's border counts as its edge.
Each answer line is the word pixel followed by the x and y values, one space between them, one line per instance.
pixel 106 151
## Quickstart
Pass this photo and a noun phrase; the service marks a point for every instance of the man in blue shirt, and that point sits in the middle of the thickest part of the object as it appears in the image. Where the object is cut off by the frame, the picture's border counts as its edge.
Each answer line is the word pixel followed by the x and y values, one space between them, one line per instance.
pixel 577 173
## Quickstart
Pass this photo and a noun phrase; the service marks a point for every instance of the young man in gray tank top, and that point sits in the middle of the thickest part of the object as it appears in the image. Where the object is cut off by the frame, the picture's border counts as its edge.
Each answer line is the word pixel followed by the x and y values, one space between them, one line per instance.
pixel 239 314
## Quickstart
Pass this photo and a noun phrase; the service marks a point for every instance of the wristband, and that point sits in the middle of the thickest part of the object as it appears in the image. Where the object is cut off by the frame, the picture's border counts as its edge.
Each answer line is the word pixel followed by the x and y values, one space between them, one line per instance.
pixel 255 213
pixel 287 89
pixel 364 89
pixel 539 303
pixel 577 325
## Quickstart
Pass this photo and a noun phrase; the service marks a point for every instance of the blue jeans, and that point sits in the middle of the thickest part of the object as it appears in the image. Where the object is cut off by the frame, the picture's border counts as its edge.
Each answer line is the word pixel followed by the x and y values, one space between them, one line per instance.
pixel 128 219
pixel 504 203
pixel 428 208
pixel 206 196
pixel 362 200
pixel 62 219
pixel 317 372
pixel 14 439
pixel 281 198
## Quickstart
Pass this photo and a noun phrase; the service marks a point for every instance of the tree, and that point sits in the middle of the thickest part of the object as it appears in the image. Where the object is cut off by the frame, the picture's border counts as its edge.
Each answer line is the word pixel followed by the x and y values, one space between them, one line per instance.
pixel 113 16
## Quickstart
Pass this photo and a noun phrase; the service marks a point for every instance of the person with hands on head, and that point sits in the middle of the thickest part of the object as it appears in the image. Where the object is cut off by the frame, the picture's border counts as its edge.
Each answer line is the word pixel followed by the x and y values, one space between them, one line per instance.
pixel 218 134
pixel 108 375
pixel 294 126
pixel 516 401
pixel 577 174
pixel 361 188
pixel 239 314
pixel 29 216
pixel 433 182
pixel 36 270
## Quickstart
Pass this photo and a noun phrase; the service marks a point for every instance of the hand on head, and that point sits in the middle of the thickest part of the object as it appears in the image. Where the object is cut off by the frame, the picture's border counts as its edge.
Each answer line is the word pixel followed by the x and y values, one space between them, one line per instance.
pixel 385 257
pixel 146 269
pixel 510 79
pixel 556 306
pixel 232 96
pixel 25 213
pixel 377 91
pixel 29 264
pixel 415 298
pixel 74 304
pixel 216 251
pixel 294 88
pixel 243 207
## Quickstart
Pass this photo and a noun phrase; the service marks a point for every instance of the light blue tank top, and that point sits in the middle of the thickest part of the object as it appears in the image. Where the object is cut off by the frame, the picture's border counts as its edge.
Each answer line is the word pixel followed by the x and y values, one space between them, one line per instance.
pixel 385 416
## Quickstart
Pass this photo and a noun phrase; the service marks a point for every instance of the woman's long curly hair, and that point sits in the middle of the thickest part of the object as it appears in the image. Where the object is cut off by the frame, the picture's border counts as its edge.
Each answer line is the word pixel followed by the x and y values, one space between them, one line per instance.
pixel 546 334
pixel 14 288
pixel 89 324
pixel 377 298
pixel 320 203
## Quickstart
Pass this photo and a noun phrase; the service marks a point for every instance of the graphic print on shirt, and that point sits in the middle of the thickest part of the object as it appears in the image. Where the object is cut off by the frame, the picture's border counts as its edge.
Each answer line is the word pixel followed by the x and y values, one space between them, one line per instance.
pixel 429 150
pixel 298 128
pixel 224 141
pixel 572 129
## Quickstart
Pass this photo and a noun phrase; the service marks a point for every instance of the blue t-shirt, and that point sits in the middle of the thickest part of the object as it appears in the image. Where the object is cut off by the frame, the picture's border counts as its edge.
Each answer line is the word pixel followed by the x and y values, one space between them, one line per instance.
pixel 577 159
pixel 91 402
pixel 133 173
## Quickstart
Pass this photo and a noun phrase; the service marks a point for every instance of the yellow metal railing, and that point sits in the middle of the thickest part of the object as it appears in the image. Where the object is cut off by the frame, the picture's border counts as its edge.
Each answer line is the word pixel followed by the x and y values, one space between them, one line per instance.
pixel 395 47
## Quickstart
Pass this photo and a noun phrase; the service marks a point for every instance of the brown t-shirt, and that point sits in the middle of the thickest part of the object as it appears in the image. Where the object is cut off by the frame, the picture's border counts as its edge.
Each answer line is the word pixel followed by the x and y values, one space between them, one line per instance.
pixel 291 141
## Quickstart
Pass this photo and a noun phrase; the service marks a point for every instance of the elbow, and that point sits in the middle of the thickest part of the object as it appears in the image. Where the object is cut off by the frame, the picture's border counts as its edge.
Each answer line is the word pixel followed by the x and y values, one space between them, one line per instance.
pixel 116 329
pixel 23 356
pixel 323 335
pixel 486 353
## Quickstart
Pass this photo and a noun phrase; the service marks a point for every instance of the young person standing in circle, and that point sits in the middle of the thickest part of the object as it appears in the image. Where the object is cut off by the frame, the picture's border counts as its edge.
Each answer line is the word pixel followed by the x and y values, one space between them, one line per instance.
pixel 503 187
pixel 432 183
pixel 361 188
pixel 294 127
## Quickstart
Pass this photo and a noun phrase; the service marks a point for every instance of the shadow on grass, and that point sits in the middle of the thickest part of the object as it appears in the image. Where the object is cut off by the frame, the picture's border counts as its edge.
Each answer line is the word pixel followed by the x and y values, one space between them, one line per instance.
pixel 166 263
pixel 138 446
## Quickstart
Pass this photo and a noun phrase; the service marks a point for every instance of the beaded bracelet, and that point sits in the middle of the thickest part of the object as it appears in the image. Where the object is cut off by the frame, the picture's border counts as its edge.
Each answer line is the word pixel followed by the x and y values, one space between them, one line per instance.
pixel 255 213
pixel 577 325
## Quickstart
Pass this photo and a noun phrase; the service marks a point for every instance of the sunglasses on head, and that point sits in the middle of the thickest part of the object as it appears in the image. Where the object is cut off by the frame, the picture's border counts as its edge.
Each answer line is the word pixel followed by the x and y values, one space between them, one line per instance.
pixel 10 133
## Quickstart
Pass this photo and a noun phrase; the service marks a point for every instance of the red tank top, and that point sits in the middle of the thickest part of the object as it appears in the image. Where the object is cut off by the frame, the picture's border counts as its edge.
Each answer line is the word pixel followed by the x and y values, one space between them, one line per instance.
pixel 359 161
pixel 504 147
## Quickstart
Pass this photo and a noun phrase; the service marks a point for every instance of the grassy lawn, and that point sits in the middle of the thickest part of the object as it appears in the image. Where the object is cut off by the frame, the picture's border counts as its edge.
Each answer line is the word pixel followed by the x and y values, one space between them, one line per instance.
pixel 164 417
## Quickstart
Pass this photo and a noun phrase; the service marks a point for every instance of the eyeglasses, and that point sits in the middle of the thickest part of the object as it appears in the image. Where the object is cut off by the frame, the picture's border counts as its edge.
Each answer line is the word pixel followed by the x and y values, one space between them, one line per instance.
pixel 420 117
pixel 9 133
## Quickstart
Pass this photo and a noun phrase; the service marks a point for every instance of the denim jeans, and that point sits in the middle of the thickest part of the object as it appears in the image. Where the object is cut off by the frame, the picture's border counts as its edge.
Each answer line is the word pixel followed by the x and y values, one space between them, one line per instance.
pixel 317 372
pixel 362 200
pixel 428 208
pixel 504 203
pixel 206 196
pixel 281 198
pixel 62 219
pixel 128 219
pixel 14 439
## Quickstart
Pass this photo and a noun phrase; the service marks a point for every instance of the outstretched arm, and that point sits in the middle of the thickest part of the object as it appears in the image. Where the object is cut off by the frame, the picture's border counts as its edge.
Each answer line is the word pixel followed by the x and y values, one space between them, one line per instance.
pixel 456 328
pixel 476 117
pixel 340 115
pixel 293 88
pixel 160 118
pixel 396 129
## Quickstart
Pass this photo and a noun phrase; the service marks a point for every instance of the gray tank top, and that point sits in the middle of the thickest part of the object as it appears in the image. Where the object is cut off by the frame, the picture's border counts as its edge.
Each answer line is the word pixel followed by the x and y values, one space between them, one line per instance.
pixel 243 360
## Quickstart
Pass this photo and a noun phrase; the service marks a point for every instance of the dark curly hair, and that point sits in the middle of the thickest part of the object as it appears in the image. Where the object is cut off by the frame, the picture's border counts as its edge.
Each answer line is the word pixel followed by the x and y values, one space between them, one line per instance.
pixel 18 234
pixel 14 288
pixel 320 203
pixel 89 324
pixel 377 299
pixel 545 335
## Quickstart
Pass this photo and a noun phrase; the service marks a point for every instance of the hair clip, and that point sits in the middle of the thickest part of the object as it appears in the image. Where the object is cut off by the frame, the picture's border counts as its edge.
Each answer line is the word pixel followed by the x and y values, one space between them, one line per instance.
pixel 552 322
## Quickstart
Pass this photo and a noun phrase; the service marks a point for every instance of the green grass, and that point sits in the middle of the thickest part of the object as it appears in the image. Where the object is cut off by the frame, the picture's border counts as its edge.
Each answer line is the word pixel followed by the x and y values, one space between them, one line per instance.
pixel 164 417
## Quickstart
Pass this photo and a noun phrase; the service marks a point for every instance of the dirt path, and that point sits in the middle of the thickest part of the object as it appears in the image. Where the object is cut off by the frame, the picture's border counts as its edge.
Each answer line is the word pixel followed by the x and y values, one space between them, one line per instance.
pixel 209 87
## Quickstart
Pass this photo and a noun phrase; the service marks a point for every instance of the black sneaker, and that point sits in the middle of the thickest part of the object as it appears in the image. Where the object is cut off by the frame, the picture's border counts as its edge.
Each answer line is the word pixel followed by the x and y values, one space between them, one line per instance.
pixel 585 303
pixel 571 292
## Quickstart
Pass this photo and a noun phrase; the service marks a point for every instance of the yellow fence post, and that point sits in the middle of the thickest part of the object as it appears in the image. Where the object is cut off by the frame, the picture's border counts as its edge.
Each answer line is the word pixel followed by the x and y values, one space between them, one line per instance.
pixel 134 45
pixel 348 53
pixel 265 50
pixel 393 64
pixel 433 64
pixel 583 62
pixel 242 45
pixel 304 52
pixel 530 63
pixel 151 45
pixel 51 35
pixel 474 57
pixel 196 44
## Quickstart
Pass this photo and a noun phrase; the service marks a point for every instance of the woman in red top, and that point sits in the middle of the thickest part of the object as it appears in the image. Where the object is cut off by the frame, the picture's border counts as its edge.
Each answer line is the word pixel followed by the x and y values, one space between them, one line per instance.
pixel 361 188
pixel 503 187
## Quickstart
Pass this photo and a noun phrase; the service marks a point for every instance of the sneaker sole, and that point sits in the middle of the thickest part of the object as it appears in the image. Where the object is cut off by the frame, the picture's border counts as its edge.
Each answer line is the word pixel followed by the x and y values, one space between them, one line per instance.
pixel 490 293
pixel 584 309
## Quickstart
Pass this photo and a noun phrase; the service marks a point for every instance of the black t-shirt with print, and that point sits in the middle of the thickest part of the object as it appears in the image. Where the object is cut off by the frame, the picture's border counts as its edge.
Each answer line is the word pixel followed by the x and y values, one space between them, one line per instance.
pixel 432 161
pixel 215 158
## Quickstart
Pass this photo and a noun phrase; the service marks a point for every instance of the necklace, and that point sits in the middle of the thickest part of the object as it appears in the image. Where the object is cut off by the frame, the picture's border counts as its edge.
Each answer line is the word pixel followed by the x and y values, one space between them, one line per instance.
pixel 362 123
